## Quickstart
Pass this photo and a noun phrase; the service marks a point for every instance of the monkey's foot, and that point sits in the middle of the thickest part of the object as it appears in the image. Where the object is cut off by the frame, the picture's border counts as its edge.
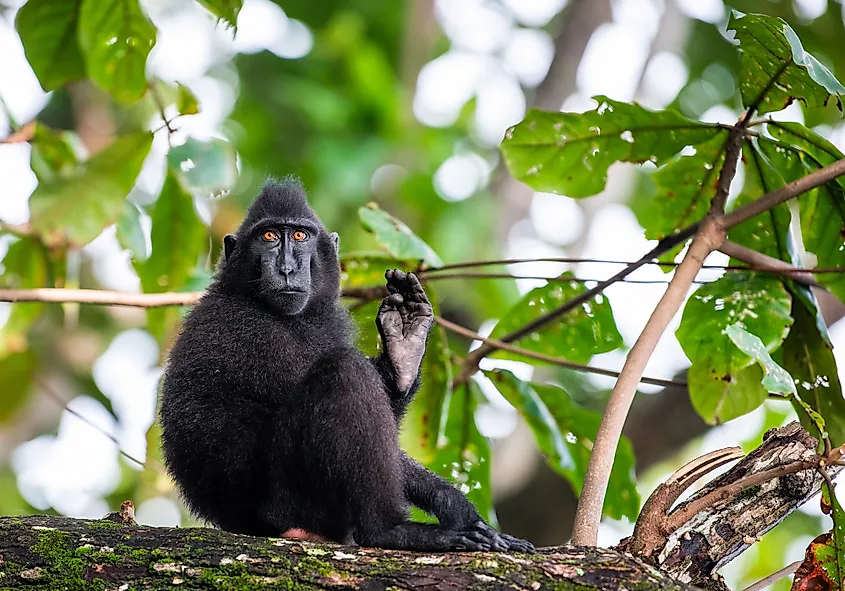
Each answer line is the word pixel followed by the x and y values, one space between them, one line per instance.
pixel 497 542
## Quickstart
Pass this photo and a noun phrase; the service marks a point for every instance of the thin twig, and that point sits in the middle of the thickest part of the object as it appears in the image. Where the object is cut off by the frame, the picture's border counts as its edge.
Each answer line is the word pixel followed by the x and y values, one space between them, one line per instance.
pixel 753 257
pixel 101 297
pixel 458 329
pixel 774 577
pixel 53 395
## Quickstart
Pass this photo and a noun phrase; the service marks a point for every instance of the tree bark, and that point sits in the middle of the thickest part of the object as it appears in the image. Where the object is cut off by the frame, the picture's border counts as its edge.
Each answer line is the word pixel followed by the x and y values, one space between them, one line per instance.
pixel 46 552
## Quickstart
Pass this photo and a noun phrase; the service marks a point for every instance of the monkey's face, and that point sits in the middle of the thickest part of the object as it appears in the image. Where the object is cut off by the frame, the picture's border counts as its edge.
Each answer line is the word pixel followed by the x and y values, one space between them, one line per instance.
pixel 277 262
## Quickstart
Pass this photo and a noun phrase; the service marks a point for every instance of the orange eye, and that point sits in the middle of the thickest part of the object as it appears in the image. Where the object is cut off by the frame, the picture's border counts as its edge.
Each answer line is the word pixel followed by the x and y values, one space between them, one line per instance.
pixel 270 236
pixel 299 235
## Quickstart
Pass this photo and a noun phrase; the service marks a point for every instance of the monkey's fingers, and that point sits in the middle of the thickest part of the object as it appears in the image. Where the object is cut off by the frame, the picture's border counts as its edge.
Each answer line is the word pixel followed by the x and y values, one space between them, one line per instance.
pixel 415 291
pixel 518 545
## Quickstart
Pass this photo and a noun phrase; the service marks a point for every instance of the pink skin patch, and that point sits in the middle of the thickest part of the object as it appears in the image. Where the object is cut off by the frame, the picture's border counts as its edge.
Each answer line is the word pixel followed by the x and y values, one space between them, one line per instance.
pixel 296 533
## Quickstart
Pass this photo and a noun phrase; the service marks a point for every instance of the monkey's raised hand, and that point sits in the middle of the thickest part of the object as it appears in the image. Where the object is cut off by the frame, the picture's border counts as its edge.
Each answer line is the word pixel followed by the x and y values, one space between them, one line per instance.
pixel 403 320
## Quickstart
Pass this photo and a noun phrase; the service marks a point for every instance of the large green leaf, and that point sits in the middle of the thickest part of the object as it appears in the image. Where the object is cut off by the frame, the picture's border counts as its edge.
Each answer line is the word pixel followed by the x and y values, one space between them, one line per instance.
pixel 208 167
pixel 48 33
pixel 395 237
pixel 798 152
pixel 774 68
pixel 225 10
pixel 569 153
pixel 760 303
pixel 564 433
pixel 463 453
pixel 16 372
pixel 809 359
pixel 116 37
pixel 178 239
pixel 685 188
pixel 579 334
pixel 90 198
pixel 768 232
pixel 721 398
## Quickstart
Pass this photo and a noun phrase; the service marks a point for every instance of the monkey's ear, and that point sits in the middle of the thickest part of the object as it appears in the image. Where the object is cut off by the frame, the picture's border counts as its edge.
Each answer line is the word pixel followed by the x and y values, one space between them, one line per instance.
pixel 335 241
pixel 229 242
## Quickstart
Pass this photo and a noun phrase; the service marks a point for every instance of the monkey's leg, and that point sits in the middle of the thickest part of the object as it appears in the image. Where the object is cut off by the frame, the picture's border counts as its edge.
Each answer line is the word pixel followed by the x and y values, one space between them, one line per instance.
pixel 350 432
pixel 404 321
pixel 453 510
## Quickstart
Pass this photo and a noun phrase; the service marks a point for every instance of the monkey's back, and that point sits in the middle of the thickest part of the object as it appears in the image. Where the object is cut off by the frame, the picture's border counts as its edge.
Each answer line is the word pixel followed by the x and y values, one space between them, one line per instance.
pixel 232 372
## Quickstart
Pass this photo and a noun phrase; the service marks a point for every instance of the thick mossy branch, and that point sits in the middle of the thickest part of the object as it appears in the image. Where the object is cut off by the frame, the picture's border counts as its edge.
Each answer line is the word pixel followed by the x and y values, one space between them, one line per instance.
pixel 45 552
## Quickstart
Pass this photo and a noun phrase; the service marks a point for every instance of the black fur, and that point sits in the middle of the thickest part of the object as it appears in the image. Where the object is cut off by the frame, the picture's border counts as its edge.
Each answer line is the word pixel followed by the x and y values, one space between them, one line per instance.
pixel 271 420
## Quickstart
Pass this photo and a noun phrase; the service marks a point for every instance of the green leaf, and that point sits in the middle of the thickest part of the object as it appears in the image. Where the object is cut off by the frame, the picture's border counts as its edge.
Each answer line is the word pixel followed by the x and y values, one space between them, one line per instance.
pixel 178 239
pixel 685 187
pixel 367 339
pixel 809 359
pixel 768 232
pixel 186 101
pixel 569 153
pixel 424 420
pixel 798 152
pixel 16 372
pixel 23 267
pixel 759 302
pixel 53 154
pixel 463 453
pixel 565 432
pixel 48 33
pixel 395 237
pixel 225 10
pixel 578 335
pixel 367 269
pixel 721 398
pixel 116 37
pixel 776 379
pixel 90 198
pixel 775 69
pixel 206 166
pixel 130 233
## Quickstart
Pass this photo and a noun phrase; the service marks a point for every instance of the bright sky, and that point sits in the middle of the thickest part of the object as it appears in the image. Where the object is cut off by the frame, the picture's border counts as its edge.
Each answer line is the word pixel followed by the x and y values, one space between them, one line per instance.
pixel 496 51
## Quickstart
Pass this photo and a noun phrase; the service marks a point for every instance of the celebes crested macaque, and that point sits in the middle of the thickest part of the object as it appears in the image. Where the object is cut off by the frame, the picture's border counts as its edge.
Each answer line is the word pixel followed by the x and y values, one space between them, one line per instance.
pixel 273 422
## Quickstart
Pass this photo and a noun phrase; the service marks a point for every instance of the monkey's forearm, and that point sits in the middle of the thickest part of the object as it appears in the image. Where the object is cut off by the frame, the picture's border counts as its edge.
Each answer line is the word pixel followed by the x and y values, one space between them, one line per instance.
pixel 399 399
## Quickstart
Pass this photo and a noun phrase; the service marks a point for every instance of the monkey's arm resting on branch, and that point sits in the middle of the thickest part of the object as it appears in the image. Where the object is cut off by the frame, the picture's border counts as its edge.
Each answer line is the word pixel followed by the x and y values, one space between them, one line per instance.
pixel 46 552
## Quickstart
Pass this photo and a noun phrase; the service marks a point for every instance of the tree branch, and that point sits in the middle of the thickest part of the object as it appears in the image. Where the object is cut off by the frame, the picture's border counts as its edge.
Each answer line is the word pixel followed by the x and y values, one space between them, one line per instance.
pixel 758 259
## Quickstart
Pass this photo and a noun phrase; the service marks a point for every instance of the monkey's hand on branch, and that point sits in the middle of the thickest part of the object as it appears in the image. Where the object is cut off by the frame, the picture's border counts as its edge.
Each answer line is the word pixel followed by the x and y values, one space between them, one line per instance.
pixel 404 320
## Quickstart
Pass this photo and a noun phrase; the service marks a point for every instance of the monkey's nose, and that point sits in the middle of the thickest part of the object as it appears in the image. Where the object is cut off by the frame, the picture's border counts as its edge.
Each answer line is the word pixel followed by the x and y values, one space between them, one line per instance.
pixel 286 269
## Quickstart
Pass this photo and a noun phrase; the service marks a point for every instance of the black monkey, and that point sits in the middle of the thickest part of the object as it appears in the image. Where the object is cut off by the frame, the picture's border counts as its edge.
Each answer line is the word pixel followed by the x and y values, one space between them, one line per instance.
pixel 273 421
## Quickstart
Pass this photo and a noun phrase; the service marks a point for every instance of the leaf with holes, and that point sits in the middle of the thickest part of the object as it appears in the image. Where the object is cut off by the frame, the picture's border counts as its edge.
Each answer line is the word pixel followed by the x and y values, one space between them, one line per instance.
pixel 685 187
pixel 721 398
pixel 797 152
pixel 48 34
pixel 395 237
pixel 768 232
pixel 809 359
pixel 775 69
pixel 759 302
pixel 90 197
pixel 116 37
pixel 587 330
pixel 225 10
pixel 463 453
pixel 569 153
